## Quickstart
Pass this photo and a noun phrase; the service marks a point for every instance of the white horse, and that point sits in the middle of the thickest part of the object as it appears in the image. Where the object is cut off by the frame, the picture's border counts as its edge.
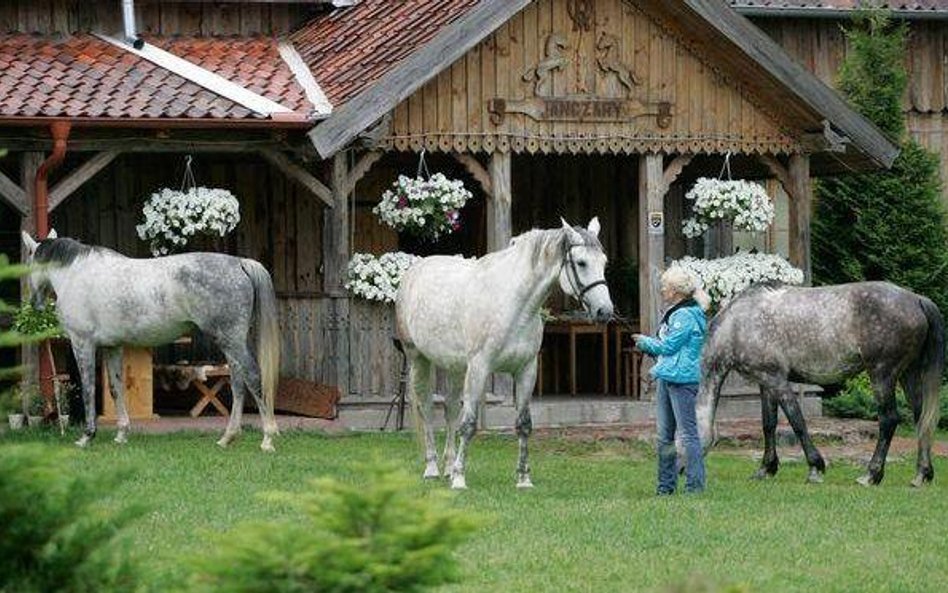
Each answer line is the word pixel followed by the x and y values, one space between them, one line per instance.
pixel 107 300
pixel 475 317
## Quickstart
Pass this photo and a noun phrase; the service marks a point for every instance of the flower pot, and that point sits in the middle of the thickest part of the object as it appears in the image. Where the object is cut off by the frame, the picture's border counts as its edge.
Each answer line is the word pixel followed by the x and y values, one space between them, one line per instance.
pixel 16 421
pixel 35 421
pixel 64 420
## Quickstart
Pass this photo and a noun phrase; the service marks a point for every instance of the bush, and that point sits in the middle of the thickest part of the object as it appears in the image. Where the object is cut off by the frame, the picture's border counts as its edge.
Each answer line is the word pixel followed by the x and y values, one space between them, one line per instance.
pixel 856 400
pixel 56 532
pixel 381 536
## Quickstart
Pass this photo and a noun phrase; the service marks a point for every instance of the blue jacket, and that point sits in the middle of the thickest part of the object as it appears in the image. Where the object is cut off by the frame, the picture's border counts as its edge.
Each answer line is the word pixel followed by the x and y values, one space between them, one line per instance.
pixel 678 345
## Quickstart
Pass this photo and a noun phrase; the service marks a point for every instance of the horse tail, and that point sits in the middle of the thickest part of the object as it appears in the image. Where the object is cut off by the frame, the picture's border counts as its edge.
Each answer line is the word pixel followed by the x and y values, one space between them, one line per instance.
pixel 267 330
pixel 928 370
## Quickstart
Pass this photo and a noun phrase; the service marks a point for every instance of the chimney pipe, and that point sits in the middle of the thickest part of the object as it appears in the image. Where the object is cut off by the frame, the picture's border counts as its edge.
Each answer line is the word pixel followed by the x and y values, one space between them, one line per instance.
pixel 128 18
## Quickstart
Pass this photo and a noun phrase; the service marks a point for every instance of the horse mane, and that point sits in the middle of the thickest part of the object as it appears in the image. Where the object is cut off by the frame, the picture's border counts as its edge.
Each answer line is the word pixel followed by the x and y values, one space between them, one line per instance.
pixel 62 251
pixel 542 239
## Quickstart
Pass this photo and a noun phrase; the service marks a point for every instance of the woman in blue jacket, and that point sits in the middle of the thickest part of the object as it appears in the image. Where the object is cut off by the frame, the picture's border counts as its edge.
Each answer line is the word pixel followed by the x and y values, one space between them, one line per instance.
pixel 678 369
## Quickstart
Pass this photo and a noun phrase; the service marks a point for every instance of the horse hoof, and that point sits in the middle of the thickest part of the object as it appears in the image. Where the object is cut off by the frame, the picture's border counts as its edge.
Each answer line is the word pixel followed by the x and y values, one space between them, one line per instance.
pixel 223 442
pixel 524 482
pixel 920 480
pixel 865 480
pixel 83 442
pixel 431 472
pixel 815 477
pixel 121 439
pixel 458 483
pixel 267 447
pixel 761 474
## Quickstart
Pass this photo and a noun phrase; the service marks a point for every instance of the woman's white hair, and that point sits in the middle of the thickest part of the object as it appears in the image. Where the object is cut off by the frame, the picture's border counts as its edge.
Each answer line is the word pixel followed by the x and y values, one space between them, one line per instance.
pixel 685 283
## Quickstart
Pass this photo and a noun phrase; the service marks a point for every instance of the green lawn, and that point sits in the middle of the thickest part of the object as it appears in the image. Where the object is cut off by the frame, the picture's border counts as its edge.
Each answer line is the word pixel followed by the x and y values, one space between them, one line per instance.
pixel 591 524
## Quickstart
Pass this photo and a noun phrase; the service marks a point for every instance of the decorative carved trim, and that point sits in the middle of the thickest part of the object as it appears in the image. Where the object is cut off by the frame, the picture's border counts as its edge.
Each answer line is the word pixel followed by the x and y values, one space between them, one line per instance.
pixel 361 168
pixel 580 109
pixel 778 171
pixel 583 14
pixel 674 169
pixel 607 48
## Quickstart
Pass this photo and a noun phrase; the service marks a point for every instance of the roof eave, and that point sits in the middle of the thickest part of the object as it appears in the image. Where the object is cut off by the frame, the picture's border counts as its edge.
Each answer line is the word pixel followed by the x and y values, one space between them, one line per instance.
pixel 820 12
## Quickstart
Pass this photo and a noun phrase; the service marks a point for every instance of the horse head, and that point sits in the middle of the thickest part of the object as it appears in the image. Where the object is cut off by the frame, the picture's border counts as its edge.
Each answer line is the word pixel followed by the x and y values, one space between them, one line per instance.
pixel 582 275
pixel 40 287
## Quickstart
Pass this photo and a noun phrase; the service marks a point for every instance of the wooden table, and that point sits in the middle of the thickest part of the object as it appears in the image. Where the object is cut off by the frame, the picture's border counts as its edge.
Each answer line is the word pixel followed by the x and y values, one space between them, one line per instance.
pixel 208 379
pixel 573 328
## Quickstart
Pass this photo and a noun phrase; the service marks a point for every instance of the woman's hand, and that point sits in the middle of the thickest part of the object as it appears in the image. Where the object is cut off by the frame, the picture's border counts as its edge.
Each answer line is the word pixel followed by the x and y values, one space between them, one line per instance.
pixel 635 340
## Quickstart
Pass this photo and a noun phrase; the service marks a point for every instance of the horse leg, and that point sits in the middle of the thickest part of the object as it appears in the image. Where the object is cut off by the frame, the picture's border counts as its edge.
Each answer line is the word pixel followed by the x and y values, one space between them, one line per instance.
pixel 791 408
pixel 526 380
pixel 113 362
pixel 769 464
pixel 913 384
pixel 452 408
pixel 474 381
pixel 883 386
pixel 85 360
pixel 419 393
pixel 237 390
pixel 251 379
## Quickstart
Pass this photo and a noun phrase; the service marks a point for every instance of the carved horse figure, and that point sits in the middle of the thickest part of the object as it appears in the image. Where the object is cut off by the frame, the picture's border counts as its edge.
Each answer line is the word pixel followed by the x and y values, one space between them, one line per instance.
pixel 542 74
pixel 106 300
pixel 777 334
pixel 475 317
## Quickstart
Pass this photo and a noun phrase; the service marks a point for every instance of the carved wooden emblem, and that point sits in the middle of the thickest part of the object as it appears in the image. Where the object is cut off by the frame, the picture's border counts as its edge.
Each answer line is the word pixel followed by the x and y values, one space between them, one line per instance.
pixel 541 75
pixel 581 107
pixel 583 13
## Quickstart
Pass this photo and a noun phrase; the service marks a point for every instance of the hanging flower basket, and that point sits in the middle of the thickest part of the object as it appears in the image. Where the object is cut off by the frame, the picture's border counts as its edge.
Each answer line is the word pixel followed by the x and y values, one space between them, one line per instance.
pixel 377 278
pixel 172 218
pixel 744 203
pixel 724 277
pixel 422 206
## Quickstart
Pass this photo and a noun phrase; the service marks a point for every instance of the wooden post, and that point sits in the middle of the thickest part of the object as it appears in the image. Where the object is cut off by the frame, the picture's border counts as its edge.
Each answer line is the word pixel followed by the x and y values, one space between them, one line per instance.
pixel 499 226
pixel 801 205
pixel 335 261
pixel 651 239
pixel 29 353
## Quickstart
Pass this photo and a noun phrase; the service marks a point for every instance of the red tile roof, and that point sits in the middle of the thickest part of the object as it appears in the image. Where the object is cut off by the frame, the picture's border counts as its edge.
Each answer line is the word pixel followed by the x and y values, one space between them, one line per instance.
pixel 776 5
pixel 349 48
pixel 85 77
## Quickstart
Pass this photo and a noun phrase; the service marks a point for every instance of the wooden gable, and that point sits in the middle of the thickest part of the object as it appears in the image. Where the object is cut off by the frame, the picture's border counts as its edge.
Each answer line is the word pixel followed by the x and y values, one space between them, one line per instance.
pixel 591 76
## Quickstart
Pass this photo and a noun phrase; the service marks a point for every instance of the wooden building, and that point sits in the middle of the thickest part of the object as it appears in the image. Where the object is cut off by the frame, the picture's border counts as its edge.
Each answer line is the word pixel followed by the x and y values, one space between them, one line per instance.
pixel 308 110
pixel 811 32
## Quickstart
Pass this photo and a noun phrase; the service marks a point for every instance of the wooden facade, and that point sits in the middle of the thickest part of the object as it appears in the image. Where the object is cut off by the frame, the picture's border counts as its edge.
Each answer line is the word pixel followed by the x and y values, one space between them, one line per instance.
pixel 548 108
pixel 819 44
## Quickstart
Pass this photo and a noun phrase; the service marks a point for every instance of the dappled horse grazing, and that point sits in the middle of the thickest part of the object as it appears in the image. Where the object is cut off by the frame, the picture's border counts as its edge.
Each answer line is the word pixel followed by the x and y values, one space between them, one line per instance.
pixel 106 300
pixel 472 317
pixel 777 334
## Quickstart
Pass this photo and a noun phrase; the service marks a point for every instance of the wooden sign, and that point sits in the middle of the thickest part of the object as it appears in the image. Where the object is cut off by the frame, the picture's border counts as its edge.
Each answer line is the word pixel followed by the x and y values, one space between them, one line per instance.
pixel 580 109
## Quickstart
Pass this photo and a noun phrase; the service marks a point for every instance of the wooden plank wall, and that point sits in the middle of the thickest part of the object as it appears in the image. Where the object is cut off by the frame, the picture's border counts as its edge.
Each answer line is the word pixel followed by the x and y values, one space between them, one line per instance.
pixel 820 45
pixel 281 226
pixel 451 111
pixel 152 16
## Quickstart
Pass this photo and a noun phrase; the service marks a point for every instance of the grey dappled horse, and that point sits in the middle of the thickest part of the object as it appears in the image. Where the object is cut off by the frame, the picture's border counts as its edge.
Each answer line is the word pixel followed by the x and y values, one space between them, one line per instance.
pixel 106 300
pixel 777 334
pixel 472 317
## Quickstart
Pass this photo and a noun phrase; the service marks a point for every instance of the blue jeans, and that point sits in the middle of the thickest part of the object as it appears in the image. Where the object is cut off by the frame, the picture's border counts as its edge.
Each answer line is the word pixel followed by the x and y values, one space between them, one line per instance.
pixel 676 410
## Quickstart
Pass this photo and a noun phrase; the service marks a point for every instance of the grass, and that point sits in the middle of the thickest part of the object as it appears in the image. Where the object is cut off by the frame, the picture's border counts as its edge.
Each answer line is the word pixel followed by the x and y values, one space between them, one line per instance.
pixel 591 524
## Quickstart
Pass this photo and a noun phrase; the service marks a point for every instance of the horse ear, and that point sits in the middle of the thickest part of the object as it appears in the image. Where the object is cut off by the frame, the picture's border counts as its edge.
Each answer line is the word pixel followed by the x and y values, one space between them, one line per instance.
pixel 28 242
pixel 52 234
pixel 594 226
pixel 574 237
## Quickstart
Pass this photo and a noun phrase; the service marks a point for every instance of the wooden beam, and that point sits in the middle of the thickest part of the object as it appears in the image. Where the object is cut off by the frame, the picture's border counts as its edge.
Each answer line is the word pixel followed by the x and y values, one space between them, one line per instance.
pixel 29 353
pixel 235 142
pixel 651 239
pixel 79 176
pixel 336 248
pixel 361 168
pixel 477 171
pixel 800 191
pixel 13 194
pixel 777 169
pixel 450 44
pixel 304 77
pixel 300 175
pixel 499 226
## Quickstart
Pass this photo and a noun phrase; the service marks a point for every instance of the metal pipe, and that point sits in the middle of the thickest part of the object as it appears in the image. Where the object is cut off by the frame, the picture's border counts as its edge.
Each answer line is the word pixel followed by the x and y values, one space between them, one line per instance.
pixel 60 132
pixel 128 18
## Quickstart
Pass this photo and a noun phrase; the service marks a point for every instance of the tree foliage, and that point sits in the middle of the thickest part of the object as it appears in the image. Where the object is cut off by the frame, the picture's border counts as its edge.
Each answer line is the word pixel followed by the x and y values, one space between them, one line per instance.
pixel 382 536
pixel 884 225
